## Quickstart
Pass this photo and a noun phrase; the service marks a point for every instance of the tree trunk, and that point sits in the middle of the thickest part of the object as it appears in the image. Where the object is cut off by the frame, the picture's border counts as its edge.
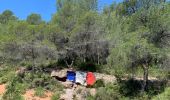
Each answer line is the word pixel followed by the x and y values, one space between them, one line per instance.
pixel 33 55
pixel 98 56
pixel 133 72
pixel 98 60
pixel 145 77
pixel 85 54
pixel 84 59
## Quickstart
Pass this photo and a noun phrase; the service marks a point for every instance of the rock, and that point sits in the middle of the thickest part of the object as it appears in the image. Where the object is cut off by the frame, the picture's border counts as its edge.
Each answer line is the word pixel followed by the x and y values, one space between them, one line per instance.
pixel 106 78
pixel 81 92
pixel 77 93
pixel 21 71
pixel 67 84
pixel 68 95
pixel 59 73
pixel 93 92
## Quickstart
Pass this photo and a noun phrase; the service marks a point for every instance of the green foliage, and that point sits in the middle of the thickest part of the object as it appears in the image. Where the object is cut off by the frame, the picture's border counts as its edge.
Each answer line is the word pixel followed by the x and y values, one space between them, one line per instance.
pixel 14 90
pixel 7 77
pixel 7 16
pixel 6 74
pixel 55 96
pixel 163 96
pixel 126 38
pixel 39 91
pixel 110 92
pixel 34 19
pixel 99 83
pixel 124 90
pixel 130 88
pixel 38 78
pixel 87 67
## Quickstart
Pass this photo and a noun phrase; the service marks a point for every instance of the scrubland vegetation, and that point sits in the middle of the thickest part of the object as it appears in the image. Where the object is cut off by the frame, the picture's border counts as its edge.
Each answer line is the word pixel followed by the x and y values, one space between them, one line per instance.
pixel 129 40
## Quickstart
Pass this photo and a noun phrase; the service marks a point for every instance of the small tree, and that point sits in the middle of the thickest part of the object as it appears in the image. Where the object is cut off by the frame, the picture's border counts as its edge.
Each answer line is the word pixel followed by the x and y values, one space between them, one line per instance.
pixel 7 16
pixel 144 55
pixel 34 19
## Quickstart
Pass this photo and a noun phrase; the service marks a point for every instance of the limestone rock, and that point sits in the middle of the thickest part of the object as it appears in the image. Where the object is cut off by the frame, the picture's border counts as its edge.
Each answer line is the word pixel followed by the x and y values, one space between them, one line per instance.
pixel 105 78
pixel 67 84
pixel 59 73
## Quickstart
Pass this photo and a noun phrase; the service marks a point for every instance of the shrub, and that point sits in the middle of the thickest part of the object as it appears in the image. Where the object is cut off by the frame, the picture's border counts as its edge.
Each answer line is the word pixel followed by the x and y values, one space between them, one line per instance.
pixel 37 77
pixel 90 98
pixel 87 67
pixel 7 77
pixel 110 92
pixel 55 96
pixel 14 96
pixel 99 83
pixel 130 88
pixel 163 96
pixel 41 79
pixel 6 74
pixel 39 91
pixel 14 90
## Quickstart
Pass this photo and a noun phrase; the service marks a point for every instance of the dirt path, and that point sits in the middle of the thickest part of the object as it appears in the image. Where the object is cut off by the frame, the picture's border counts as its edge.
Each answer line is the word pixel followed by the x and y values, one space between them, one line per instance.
pixel 2 89
pixel 29 95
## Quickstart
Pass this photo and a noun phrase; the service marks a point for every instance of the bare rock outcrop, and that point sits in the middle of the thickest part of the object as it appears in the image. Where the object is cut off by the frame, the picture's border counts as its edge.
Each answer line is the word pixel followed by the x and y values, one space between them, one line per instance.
pixel 105 78
pixel 59 73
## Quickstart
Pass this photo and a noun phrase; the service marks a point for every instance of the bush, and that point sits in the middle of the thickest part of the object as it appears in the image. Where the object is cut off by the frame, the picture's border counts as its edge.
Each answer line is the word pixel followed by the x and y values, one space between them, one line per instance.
pixel 14 90
pixel 41 79
pixel 30 79
pixel 6 74
pixel 87 67
pixel 99 83
pixel 55 96
pixel 37 77
pixel 130 88
pixel 110 92
pixel 39 91
pixel 163 96
pixel 7 77
pixel 14 96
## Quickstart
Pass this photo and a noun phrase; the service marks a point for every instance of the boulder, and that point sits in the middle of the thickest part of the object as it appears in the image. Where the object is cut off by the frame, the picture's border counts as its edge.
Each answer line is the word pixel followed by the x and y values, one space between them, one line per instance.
pixel 59 73
pixel 68 94
pixel 106 78
pixel 93 92
pixel 21 71
pixel 67 84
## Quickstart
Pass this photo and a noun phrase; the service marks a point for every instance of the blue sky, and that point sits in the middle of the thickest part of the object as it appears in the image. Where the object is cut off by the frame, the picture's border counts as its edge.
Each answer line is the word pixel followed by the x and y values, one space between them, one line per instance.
pixel 22 8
